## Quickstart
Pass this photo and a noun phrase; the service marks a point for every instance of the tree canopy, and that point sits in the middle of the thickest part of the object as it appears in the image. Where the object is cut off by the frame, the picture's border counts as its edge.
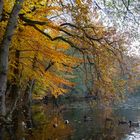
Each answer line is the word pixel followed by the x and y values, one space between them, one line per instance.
pixel 43 43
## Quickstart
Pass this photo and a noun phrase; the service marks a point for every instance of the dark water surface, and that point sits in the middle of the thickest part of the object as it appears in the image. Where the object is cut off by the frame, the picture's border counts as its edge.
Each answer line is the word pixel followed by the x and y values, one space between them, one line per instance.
pixel 48 122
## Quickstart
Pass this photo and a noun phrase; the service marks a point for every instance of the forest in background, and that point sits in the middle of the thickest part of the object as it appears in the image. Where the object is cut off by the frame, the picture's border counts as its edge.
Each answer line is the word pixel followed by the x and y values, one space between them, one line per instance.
pixel 49 47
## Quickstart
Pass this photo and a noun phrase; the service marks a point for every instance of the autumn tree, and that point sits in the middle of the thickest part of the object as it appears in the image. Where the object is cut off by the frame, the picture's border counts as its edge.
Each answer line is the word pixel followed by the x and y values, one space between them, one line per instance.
pixel 102 50
pixel 4 50
pixel 37 55
pixel 36 45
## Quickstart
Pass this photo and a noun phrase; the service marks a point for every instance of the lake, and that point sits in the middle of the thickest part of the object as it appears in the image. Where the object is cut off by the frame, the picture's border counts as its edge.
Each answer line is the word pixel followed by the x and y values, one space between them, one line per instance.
pixel 83 120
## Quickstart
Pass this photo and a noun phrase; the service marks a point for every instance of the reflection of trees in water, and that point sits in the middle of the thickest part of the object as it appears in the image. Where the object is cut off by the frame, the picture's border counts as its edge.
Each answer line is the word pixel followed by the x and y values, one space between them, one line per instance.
pixel 21 126
pixel 36 124
pixel 1 133
pixel 109 129
pixel 104 124
pixel 61 131
pixel 53 126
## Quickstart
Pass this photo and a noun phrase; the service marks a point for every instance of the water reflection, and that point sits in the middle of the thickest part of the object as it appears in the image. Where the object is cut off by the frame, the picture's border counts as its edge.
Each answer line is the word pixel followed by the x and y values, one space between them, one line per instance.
pixel 46 122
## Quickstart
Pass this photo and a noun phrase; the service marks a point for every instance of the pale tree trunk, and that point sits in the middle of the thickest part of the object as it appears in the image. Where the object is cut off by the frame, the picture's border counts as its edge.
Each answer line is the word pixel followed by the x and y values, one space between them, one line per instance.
pixel 4 52
pixel 28 103
pixel 28 92
pixel 28 97
pixel 30 84
pixel 1 9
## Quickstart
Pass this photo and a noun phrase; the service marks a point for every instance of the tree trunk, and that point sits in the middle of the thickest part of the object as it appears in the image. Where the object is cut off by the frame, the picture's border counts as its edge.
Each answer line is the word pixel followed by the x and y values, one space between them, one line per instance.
pixel 28 92
pixel 14 94
pixel 2 129
pixel 28 103
pixel 1 9
pixel 30 84
pixel 4 52
pixel 16 78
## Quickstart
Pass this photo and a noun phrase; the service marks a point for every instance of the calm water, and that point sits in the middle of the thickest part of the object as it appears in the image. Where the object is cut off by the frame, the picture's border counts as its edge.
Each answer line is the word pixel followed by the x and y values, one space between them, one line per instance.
pixel 48 122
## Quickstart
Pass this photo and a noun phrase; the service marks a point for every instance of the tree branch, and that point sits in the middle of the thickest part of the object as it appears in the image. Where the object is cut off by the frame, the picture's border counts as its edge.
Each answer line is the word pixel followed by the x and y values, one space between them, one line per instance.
pixel 31 22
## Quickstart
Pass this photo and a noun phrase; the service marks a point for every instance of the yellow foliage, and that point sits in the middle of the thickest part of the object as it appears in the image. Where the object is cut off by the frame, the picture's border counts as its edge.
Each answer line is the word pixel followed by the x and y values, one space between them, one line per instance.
pixel 43 53
pixel 37 52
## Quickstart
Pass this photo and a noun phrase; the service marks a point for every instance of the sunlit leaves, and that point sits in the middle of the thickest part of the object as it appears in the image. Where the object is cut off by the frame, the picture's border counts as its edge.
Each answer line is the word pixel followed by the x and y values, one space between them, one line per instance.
pixel 45 48
pixel 37 52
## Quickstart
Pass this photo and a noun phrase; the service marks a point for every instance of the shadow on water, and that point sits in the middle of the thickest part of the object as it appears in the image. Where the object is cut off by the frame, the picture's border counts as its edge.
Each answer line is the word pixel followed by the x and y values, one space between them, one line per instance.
pixel 74 121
